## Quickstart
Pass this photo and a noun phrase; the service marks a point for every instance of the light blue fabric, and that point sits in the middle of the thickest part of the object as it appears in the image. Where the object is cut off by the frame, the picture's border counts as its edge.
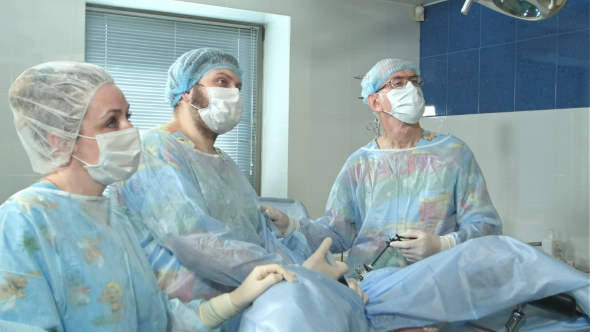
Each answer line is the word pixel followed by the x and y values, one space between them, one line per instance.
pixel 71 263
pixel 188 69
pixel 275 309
pixel 197 218
pixel 436 187
pixel 375 78
pixel 472 280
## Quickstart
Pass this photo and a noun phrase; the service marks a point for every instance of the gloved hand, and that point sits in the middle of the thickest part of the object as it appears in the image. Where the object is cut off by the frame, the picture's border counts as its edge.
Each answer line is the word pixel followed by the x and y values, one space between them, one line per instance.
pixel 422 244
pixel 259 280
pixel 357 288
pixel 317 262
pixel 284 223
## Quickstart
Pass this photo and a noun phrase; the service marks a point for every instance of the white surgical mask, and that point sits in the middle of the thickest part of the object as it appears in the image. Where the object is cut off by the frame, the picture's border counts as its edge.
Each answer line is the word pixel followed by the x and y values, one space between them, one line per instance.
pixel 407 103
pixel 224 110
pixel 118 158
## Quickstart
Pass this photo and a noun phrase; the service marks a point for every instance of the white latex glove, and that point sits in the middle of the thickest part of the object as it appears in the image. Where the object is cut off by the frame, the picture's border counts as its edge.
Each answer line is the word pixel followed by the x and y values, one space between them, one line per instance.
pixel 357 288
pixel 259 280
pixel 422 244
pixel 317 262
pixel 284 223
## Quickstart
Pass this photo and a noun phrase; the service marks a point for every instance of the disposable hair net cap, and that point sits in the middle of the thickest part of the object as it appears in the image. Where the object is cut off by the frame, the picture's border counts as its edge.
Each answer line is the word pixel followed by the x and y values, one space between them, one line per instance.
pixel 376 77
pixel 188 69
pixel 52 99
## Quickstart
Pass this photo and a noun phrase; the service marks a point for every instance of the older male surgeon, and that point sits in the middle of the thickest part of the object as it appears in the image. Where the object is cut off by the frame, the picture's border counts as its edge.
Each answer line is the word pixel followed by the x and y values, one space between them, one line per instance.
pixel 194 211
pixel 423 186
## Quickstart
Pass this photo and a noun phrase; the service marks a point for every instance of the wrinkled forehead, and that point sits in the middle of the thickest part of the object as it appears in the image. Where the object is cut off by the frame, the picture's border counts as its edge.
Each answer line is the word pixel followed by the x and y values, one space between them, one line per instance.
pixel 401 73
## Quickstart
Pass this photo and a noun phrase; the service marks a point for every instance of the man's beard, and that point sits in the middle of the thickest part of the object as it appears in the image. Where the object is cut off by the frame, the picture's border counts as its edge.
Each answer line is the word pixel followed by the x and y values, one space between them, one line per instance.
pixel 199 100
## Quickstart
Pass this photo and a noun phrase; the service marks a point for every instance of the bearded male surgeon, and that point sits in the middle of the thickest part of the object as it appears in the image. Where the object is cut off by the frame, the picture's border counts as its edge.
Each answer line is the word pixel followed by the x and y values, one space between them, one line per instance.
pixel 196 215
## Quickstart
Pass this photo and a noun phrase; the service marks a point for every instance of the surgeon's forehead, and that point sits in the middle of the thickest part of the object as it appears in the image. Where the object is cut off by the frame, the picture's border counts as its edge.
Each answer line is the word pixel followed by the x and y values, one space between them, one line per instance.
pixel 401 73
pixel 228 73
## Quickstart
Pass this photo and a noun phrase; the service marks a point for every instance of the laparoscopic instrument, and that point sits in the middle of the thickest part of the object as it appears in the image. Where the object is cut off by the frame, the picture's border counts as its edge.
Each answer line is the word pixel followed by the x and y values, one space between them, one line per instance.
pixel 366 268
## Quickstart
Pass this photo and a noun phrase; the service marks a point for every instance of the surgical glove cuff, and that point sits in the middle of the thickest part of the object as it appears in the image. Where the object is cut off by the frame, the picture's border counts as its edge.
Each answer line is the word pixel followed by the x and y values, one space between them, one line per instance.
pixel 294 226
pixel 217 310
pixel 446 242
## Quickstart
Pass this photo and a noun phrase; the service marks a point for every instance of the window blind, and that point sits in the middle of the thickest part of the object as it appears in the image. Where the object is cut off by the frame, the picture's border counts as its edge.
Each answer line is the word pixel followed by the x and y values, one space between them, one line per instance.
pixel 137 50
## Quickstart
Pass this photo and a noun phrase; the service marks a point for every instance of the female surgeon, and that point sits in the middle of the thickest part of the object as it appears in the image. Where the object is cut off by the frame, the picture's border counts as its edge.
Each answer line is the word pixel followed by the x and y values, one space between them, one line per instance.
pixel 70 260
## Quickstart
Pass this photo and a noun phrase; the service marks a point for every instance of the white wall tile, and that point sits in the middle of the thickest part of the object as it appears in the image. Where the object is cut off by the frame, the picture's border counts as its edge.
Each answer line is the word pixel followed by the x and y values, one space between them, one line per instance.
pixel 579 134
pixel 5 188
pixel 537 143
pixel 54 8
pixel 300 78
pixel 299 189
pixel 331 24
pixel 5 160
pixel 221 3
pixel 301 18
pixel 299 143
pixel 359 136
pixel 403 33
pixel 369 22
pixel 39 39
pixel 329 143
pixel 78 9
pixel 78 41
pixel 497 135
pixel 319 190
pixel 255 5
pixel 437 124
pixel 330 79
pixel 20 164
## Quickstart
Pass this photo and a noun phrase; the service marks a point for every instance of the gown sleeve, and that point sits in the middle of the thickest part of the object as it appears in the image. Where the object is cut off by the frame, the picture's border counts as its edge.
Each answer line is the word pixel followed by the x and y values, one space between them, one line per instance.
pixel 26 289
pixel 475 213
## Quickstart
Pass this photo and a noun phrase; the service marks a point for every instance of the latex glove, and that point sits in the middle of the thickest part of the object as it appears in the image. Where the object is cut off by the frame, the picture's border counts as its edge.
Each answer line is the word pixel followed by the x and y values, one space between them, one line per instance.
pixel 284 223
pixel 317 262
pixel 357 288
pixel 259 280
pixel 422 244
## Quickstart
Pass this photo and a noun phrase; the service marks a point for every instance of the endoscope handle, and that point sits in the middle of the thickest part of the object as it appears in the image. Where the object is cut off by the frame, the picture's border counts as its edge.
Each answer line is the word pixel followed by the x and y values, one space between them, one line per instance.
pixel 332 261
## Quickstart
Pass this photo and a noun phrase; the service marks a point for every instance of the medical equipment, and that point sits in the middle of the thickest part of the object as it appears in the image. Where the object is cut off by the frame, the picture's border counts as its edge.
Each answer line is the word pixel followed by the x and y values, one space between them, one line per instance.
pixel 529 10
pixel 366 268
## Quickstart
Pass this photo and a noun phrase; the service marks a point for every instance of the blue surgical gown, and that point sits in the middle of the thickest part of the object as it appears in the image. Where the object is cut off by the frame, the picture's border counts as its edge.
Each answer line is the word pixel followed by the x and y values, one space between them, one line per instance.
pixel 197 218
pixel 436 187
pixel 72 263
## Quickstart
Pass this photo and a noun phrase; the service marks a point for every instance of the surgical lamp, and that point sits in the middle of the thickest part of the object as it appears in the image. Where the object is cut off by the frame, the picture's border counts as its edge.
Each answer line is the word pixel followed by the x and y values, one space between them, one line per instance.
pixel 529 10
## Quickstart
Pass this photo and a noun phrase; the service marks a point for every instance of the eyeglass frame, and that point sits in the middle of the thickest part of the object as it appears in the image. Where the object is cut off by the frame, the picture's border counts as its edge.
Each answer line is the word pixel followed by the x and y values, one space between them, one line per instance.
pixel 417 82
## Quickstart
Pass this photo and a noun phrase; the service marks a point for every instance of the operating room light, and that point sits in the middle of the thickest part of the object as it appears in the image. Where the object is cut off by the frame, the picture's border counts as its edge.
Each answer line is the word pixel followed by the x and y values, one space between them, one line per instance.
pixel 530 10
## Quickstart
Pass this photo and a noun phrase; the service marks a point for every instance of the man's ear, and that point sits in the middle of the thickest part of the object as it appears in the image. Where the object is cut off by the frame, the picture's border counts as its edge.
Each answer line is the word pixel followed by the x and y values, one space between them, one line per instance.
pixel 186 97
pixel 374 102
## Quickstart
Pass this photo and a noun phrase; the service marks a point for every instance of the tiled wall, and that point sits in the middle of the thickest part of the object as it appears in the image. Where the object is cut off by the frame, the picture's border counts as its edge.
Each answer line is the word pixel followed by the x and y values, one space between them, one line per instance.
pixel 486 62
pixel 31 32
pixel 483 71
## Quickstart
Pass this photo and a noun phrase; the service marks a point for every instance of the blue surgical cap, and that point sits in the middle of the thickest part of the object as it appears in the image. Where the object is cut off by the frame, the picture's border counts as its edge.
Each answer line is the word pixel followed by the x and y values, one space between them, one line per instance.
pixel 188 69
pixel 381 71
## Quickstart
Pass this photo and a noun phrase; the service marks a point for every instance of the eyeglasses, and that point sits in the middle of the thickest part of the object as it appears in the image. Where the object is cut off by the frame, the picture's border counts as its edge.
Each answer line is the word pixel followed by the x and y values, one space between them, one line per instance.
pixel 399 81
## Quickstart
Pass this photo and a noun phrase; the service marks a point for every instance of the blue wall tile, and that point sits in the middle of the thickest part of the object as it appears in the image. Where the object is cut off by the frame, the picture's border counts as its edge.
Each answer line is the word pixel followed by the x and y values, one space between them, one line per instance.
pixel 434 71
pixel 434 31
pixel 538 65
pixel 496 86
pixel 573 74
pixel 463 83
pixel 535 74
pixel 464 30
pixel 527 29
pixel 496 28
pixel 574 16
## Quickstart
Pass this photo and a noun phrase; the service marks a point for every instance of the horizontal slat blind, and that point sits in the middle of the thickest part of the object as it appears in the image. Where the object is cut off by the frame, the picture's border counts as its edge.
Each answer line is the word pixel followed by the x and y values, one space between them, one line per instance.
pixel 137 51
